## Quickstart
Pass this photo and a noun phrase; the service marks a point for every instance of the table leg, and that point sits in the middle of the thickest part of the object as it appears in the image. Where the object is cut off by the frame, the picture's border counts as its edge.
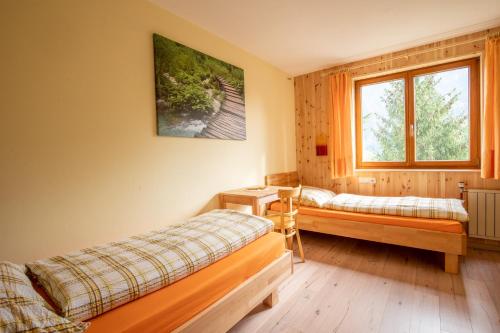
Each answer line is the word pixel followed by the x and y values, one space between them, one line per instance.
pixel 222 202
pixel 256 207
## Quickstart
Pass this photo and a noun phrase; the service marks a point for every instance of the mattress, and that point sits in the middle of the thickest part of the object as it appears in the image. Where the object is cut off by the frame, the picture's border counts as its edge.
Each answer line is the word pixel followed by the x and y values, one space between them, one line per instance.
pixel 171 306
pixel 86 283
pixel 408 206
pixel 443 225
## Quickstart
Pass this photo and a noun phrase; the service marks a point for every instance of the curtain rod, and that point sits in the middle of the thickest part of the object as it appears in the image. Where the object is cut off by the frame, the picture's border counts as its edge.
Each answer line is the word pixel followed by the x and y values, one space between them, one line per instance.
pixel 350 68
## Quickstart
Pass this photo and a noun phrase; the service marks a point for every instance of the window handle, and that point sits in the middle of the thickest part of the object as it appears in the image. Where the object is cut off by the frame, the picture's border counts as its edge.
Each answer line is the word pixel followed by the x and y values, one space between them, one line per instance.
pixel 411 129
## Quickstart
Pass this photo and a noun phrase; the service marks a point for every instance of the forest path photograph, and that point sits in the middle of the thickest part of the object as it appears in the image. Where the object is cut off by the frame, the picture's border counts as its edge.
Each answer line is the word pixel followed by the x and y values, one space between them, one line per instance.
pixel 229 122
pixel 197 96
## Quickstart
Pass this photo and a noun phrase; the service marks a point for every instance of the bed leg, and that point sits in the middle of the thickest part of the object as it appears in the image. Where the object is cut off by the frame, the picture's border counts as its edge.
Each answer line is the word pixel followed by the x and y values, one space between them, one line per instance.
pixel 272 299
pixel 451 264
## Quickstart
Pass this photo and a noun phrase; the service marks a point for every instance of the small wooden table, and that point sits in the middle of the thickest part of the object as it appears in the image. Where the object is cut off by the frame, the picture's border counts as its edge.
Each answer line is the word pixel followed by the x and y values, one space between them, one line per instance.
pixel 254 198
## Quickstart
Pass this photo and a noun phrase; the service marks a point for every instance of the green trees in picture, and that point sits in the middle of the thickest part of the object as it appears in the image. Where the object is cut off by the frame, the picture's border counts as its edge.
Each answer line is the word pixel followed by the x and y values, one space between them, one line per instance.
pixel 196 94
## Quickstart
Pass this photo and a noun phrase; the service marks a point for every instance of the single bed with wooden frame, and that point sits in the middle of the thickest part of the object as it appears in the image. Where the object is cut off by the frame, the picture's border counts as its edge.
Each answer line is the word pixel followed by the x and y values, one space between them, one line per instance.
pixel 211 299
pixel 452 244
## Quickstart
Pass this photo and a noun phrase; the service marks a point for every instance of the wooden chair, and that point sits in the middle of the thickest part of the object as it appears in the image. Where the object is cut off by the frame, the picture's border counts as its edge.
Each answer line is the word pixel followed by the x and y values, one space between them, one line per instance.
pixel 286 221
pixel 283 179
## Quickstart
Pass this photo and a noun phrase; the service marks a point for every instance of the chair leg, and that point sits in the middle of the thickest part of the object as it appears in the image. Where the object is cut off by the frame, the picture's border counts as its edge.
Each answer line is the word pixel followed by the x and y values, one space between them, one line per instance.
pixel 299 242
pixel 289 242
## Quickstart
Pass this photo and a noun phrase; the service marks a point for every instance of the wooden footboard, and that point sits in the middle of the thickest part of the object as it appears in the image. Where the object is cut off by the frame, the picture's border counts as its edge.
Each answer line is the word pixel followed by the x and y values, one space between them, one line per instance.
pixel 226 312
pixel 451 244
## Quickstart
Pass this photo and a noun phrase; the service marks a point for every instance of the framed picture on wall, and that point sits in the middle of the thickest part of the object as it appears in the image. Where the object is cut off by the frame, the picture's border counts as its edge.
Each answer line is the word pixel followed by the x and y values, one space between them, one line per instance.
pixel 197 95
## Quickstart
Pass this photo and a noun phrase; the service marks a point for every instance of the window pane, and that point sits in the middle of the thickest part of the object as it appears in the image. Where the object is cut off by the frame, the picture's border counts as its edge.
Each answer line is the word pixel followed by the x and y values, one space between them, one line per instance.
pixel 442 116
pixel 383 122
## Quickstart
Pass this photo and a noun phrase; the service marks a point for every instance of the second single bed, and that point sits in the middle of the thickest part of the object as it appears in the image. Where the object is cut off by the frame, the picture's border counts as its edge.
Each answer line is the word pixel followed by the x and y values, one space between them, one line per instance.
pixel 424 223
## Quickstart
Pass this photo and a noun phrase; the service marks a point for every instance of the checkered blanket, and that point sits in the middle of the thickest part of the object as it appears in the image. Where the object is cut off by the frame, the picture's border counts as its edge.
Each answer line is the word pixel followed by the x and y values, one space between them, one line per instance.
pixel 432 208
pixel 89 282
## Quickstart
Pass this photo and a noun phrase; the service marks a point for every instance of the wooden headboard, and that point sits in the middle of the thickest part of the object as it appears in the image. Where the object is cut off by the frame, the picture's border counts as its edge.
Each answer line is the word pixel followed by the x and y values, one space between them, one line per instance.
pixel 283 179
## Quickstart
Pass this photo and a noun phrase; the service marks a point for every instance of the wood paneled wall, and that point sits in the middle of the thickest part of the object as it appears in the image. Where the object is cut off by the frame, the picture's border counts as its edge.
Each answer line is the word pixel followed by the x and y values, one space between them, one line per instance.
pixel 312 106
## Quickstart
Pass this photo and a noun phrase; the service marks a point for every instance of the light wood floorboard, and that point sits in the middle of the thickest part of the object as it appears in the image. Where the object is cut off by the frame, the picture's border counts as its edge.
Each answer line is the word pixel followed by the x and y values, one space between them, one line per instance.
pixel 349 285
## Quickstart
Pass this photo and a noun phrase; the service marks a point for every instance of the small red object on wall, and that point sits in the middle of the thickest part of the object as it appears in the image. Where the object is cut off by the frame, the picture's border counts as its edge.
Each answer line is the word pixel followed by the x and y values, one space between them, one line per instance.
pixel 321 145
pixel 321 150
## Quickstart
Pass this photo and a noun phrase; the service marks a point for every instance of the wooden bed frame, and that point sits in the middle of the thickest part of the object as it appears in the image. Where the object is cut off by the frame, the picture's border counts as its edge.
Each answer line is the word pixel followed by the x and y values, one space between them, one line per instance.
pixel 452 245
pixel 226 312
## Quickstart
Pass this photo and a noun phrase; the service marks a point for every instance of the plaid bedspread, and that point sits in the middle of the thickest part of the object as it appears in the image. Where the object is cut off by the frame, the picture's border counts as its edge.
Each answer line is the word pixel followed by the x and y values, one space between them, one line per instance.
pixel 432 208
pixel 89 282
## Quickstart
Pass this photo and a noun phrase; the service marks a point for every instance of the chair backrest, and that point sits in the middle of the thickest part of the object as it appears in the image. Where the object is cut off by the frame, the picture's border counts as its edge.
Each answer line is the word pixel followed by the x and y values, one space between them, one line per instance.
pixel 286 197
pixel 283 179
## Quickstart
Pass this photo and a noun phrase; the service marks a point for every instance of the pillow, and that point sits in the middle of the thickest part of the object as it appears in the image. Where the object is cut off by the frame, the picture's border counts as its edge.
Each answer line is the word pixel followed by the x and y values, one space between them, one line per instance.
pixel 23 310
pixel 315 197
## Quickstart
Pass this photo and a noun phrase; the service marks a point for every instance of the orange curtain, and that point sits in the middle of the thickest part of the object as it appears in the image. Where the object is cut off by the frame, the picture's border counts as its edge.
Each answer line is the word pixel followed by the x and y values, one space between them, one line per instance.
pixel 490 149
pixel 340 125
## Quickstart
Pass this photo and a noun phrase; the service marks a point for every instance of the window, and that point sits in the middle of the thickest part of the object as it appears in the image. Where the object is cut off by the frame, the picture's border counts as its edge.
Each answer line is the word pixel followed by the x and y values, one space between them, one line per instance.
pixel 424 118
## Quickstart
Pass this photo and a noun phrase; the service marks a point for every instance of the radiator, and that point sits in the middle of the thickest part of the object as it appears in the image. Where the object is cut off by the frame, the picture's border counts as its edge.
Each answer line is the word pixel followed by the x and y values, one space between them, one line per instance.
pixel 484 211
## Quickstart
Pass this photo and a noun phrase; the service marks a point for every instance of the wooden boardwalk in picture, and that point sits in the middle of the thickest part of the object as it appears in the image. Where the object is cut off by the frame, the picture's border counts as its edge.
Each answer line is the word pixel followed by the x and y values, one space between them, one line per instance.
pixel 229 122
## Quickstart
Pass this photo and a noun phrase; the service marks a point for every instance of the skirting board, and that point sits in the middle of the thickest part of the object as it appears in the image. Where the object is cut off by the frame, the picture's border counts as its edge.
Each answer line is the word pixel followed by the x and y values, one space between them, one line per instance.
pixel 484 244
pixel 226 312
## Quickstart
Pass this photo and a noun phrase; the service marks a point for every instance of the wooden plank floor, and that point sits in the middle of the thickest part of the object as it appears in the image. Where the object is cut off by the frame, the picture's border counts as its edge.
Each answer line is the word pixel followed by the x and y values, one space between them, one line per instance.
pixel 352 286
pixel 229 122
